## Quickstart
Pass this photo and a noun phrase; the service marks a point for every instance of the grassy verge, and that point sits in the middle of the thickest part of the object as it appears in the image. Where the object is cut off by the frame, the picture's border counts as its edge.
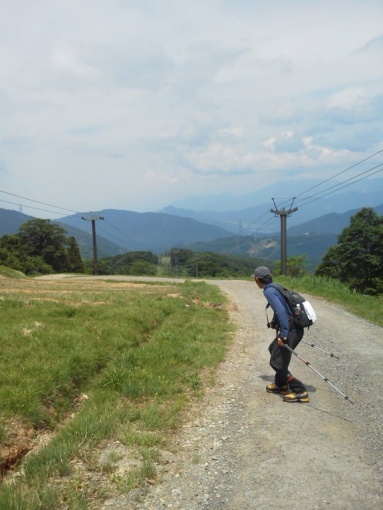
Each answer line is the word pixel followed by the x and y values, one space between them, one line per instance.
pixel 366 307
pixel 98 366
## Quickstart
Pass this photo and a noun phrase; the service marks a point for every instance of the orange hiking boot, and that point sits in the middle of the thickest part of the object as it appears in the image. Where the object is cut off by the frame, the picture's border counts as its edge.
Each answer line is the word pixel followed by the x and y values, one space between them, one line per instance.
pixel 273 388
pixel 296 397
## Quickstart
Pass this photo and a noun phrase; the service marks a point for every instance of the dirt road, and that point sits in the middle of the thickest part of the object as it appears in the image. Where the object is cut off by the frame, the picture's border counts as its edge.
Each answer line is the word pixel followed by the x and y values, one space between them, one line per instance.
pixel 245 449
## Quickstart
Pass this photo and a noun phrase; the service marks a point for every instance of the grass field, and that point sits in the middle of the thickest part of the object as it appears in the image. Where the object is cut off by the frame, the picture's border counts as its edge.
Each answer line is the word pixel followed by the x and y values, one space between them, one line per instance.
pixel 94 372
pixel 87 365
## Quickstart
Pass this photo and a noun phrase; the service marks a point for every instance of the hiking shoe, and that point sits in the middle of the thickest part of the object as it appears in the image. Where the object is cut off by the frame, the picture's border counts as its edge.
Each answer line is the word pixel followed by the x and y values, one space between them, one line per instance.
pixel 273 388
pixel 296 397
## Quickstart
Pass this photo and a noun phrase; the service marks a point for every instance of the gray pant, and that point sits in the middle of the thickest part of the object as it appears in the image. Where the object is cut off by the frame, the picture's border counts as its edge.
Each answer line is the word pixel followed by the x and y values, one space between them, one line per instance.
pixel 280 360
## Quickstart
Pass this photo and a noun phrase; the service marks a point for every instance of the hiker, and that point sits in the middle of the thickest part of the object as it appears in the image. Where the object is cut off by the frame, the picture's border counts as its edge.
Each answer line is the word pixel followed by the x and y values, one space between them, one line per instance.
pixel 288 333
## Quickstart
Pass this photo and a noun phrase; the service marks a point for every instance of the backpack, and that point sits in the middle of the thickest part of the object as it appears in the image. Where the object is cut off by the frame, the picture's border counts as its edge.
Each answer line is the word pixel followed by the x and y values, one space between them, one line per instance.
pixel 303 313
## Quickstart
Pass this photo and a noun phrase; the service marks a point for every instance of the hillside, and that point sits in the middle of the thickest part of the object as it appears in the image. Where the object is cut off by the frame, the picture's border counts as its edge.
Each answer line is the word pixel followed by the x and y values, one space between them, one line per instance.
pixel 156 232
pixel 312 238
pixel 123 231
pixel 268 246
pixel 332 223
pixel 11 221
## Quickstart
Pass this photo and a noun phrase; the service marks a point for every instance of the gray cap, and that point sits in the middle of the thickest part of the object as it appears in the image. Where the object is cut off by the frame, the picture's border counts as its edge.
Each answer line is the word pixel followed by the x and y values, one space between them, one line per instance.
pixel 261 272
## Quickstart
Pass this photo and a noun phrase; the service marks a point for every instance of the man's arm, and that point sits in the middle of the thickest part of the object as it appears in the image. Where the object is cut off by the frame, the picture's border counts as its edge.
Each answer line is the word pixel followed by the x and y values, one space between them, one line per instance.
pixel 272 296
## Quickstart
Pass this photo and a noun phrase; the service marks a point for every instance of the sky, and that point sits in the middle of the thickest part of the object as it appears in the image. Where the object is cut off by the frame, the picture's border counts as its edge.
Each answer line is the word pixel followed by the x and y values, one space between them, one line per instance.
pixel 136 104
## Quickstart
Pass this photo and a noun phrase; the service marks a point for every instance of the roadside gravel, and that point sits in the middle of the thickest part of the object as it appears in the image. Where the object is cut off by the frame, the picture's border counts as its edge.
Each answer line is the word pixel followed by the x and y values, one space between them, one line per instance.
pixel 244 449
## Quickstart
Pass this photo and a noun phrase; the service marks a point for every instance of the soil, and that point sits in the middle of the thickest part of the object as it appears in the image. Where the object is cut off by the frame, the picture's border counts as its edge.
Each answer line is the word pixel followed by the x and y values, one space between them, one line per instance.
pixel 244 449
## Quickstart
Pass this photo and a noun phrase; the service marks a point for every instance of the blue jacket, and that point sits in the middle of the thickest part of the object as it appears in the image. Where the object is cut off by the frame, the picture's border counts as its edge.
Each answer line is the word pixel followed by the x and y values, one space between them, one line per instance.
pixel 280 308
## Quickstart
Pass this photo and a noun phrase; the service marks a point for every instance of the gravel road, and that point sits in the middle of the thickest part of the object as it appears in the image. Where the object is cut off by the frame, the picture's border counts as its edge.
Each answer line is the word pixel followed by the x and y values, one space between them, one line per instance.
pixel 245 449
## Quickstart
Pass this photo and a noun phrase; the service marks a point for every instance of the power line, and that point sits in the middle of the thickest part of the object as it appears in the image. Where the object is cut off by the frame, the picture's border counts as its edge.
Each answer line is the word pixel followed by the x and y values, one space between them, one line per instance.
pixel 339 173
pixel 316 196
pixel 301 203
pixel 342 185
pixel 37 202
pixel 127 236
pixel 60 213
pixel 30 207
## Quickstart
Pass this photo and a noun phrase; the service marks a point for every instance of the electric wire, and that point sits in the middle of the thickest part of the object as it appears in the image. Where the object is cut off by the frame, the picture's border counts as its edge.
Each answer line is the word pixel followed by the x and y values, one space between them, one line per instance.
pixel 28 206
pixel 317 196
pixel 341 185
pixel 300 203
pixel 124 244
pixel 77 213
pixel 339 173
pixel 37 202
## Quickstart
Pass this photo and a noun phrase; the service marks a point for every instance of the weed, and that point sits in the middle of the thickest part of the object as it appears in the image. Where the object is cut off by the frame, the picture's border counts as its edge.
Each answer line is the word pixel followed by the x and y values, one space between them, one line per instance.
pixel 136 352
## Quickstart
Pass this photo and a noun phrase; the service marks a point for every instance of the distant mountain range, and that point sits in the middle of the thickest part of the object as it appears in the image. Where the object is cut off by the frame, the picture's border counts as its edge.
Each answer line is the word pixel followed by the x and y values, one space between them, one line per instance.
pixel 156 232
pixel 251 213
pixel 252 231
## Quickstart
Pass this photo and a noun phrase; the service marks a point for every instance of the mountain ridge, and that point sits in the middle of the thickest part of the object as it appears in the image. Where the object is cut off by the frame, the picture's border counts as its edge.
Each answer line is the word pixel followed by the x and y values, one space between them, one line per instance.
pixel 371 189
pixel 120 231
pixel 258 217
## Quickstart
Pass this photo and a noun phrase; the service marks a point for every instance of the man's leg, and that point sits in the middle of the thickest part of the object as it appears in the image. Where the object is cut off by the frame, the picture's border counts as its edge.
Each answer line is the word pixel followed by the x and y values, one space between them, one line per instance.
pixel 279 362
pixel 298 389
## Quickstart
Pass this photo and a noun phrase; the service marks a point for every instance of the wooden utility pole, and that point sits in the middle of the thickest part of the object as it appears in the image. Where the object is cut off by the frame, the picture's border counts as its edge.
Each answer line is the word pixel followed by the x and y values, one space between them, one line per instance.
pixel 93 220
pixel 282 213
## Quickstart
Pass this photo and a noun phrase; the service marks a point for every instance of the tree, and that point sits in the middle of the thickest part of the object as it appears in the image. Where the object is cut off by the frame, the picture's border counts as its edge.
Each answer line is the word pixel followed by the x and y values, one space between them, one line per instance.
pixel 74 261
pixel 134 263
pixel 357 259
pixel 46 240
pixel 295 266
pixel 14 254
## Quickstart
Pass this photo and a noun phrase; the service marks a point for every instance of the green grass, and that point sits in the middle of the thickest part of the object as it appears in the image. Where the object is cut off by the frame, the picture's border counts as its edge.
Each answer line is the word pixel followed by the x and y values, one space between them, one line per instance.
pixel 11 273
pixel 366 307
pixel 97 362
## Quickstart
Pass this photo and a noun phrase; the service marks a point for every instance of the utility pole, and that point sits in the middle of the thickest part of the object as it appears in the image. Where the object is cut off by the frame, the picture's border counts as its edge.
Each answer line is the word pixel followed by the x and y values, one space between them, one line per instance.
pixel 282 213
pixel 93 220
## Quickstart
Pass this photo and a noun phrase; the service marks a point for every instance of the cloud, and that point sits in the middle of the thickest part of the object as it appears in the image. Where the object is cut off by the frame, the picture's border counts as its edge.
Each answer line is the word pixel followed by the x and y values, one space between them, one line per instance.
pixel 348 99
pixel 151 101
pixel 375 44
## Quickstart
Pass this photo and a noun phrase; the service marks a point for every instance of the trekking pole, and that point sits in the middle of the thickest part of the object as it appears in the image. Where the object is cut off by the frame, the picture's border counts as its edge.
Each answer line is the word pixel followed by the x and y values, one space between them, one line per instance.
pixel 320 375
pixel 316 347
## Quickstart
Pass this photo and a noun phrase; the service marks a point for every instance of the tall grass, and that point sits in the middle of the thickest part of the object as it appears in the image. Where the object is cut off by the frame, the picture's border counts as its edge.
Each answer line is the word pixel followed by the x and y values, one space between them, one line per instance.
pixel 366 307
pixel 99 362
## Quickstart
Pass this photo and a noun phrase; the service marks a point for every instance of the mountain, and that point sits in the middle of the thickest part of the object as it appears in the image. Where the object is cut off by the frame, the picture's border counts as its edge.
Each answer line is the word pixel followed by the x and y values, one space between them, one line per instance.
pixel 268 247
pixel 313 238
pixel 156 232
pixel 105 248
pixel 332 223
pixel 371 190
pixel 259 218
pixel 120 231
pixel 11 221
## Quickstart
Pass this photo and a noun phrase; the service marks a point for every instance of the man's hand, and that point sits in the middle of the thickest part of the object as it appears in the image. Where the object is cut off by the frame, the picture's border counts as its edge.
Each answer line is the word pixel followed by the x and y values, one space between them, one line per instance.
pixel 282 341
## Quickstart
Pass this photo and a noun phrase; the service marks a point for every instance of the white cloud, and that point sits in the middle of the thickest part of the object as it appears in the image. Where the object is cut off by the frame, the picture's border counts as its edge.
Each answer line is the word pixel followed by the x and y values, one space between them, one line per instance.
pixel 351 99
pixel 150 101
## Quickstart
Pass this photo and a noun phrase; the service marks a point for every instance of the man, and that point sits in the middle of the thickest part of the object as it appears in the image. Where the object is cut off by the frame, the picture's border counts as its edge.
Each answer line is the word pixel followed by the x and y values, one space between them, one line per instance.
pixel 288 333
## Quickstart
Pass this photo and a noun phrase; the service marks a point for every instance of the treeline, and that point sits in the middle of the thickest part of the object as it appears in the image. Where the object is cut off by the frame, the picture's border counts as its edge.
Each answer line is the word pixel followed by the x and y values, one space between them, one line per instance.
pixel 132 263
pixel 182 262
pixel 42 247
pixel 176 262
